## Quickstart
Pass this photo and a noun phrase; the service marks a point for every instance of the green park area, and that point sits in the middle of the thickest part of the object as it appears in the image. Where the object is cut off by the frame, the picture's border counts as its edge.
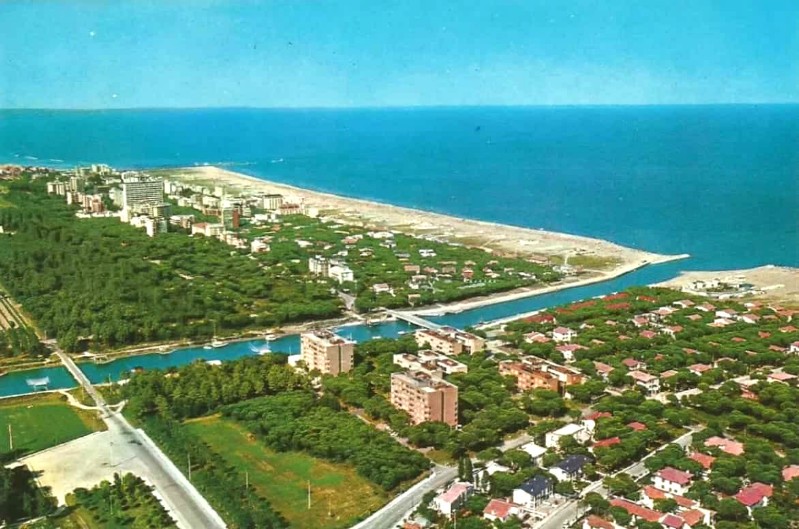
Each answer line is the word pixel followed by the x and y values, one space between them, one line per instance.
pixel 339 496
pixel 41 421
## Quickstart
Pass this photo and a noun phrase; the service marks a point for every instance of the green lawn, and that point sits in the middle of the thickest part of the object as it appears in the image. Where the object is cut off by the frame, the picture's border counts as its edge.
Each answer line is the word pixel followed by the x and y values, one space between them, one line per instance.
pixel 43 421
pixel 282 478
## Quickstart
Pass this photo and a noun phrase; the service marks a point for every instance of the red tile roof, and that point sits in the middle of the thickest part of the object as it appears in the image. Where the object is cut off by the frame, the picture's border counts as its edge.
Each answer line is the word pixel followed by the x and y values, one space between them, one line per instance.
pixel 692 517
pixel 598 415
pixel 637 426
pixel 675 476
pixel 654 494
pixel 672 521
pixel 726 445
pixel 607 442
pixel 790 472
pixel 703 459
pixel 636 510
pixel 499 508
pixel 754 494
pixel 598 523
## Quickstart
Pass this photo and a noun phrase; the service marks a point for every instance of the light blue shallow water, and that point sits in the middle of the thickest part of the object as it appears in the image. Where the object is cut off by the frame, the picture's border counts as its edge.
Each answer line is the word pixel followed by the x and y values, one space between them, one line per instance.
pixel 718 182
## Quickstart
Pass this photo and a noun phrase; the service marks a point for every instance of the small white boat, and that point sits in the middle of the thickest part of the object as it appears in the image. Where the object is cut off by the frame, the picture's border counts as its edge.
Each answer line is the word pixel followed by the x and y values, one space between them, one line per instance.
pixel 217 344
pixel 207 347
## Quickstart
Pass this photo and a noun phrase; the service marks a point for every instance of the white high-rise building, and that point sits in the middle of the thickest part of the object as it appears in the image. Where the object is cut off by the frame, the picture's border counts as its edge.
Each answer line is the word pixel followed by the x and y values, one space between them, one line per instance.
pixel 141 190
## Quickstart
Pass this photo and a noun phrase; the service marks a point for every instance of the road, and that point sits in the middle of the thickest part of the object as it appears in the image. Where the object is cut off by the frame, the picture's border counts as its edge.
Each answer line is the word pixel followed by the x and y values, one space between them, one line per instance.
pixel 133 450
pixel 570 511
pixel 392 514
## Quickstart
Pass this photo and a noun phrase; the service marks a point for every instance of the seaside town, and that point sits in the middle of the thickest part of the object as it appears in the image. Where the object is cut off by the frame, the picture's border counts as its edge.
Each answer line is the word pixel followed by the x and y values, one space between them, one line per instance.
pixel 650 408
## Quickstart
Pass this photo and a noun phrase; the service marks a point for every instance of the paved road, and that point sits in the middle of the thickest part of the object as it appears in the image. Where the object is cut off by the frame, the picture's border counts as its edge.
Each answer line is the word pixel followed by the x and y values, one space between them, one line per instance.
pixel 570 511
pixel 393 513
pixel 132 449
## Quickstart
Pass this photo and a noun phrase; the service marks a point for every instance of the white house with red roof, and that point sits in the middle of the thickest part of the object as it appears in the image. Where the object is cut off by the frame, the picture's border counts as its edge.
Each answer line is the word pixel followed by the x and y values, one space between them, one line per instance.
pixel 563 334
pixel 453 498
pixel 649 383
pixel 603 370
pixel 671 480
pixel 794 348
pixel 706 307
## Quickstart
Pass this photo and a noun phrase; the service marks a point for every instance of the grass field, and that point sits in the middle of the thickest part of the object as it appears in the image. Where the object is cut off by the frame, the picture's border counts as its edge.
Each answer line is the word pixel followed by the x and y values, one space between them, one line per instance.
pixel 42 421
pixel 282 478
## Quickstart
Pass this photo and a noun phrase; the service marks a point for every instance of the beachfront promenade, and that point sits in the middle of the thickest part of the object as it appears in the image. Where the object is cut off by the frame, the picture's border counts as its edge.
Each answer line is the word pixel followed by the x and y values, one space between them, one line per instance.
pixel 130 449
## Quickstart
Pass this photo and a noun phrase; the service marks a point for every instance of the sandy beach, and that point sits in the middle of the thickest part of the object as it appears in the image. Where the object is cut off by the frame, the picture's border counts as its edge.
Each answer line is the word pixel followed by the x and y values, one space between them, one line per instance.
pixel 776 282
pixel 592 254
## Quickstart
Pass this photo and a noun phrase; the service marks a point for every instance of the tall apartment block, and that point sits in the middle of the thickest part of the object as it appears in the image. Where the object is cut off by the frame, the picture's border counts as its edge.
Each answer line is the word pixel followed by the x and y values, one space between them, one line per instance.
pixel 141 190
pixel 425 397
pixel 326 351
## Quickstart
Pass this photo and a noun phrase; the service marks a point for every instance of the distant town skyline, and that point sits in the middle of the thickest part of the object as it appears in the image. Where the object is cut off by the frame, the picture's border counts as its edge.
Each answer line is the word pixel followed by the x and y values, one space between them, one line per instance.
pixel 350 53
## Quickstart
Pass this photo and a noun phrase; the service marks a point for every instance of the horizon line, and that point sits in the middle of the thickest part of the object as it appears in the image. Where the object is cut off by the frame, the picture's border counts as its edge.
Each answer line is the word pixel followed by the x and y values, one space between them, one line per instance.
pixel 390 107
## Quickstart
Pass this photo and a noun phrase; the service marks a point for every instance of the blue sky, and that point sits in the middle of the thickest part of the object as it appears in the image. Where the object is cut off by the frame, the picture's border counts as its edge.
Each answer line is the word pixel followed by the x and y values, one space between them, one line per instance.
pixel 302 53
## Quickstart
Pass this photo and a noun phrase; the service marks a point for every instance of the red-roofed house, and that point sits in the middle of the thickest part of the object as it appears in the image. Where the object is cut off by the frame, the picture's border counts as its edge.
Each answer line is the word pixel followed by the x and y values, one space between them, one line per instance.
pixel 595 522
pixel 703 459
pixel 603 370
pixel 672 480
pixel 706 307
pixel 788 328
pixel 650 494
pixel 637 426
pixel 541 318
pixel 636 511
pixel 672 330
pixel 734 448
pixel 672 521
pixel 699 368
pixel 640 321
pixel 500 510
pixel 790 472
pixel 646 381
pixel 536 337
pixel 632 363
pixel 649 299
pixel 781 377
pixel 647 334
pixel 563 334
pixel 755 495
pixel 794 348
pixel 604 443
pixel 451 500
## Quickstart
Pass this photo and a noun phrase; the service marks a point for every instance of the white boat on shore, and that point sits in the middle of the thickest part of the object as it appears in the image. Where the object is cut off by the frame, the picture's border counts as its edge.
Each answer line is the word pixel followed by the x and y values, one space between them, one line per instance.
pixel 216 344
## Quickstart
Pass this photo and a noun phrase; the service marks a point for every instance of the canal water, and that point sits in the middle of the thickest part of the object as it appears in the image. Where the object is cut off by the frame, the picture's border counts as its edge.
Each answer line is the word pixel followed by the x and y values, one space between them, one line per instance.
pixel 22 382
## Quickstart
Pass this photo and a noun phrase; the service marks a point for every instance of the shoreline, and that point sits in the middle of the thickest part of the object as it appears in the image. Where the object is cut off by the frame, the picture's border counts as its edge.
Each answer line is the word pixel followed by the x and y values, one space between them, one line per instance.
pixel 528 292
pixel 503 239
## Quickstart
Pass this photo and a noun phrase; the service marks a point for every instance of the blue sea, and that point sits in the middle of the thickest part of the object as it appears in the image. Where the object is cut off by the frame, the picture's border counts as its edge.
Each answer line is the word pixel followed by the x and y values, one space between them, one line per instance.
pixel 718 182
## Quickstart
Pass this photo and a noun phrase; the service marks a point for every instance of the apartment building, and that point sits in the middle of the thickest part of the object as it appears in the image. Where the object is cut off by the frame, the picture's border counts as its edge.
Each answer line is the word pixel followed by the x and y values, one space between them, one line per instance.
pixel 431 362
pixel 326 351
pixel 139 190
pixel 425 397
pixel 536 374
pixel 449 341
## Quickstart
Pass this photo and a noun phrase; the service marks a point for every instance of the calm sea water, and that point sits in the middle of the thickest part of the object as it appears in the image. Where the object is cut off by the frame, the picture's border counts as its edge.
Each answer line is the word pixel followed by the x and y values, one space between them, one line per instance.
pixel 718 182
